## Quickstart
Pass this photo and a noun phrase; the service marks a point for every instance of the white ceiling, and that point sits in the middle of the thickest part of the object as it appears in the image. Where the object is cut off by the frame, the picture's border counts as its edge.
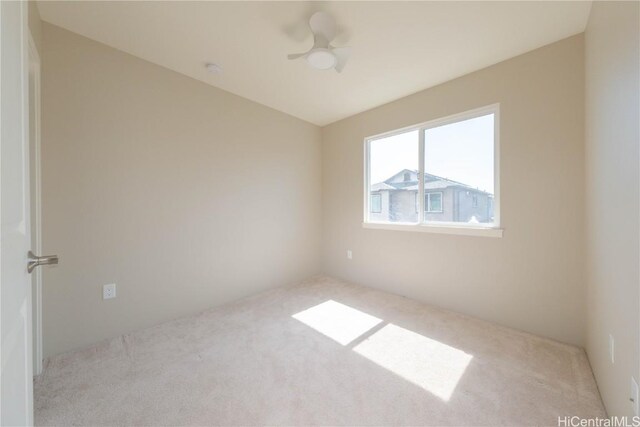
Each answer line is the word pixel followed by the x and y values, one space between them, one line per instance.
pixel 398 48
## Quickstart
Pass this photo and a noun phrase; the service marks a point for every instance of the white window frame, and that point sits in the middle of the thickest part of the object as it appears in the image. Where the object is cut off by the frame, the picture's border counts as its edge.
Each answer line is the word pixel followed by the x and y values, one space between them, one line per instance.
pixel 492 230
pixel 428 200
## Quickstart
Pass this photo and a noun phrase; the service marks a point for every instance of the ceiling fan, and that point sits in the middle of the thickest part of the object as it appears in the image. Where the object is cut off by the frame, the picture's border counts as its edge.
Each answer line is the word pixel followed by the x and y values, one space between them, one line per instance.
pixel 324 56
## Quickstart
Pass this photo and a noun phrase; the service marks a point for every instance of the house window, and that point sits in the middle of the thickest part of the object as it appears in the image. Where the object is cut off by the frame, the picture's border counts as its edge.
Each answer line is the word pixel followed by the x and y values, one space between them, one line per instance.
pixel 433 202
pixel 454 159
pixel 376 203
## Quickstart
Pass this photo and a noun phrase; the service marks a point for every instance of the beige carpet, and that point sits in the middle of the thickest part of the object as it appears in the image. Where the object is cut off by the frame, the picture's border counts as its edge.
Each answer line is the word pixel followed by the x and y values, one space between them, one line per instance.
pixel 321 353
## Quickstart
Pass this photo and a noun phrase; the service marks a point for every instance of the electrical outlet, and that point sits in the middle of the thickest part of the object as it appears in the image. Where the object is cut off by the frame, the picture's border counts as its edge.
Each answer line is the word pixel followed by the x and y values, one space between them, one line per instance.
pixel 634 396
pixel 349 254
pixel 109 291
pixel 612 349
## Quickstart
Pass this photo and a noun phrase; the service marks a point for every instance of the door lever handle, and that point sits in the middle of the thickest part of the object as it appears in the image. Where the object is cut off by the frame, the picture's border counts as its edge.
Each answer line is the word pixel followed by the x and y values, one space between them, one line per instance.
pixel 36 261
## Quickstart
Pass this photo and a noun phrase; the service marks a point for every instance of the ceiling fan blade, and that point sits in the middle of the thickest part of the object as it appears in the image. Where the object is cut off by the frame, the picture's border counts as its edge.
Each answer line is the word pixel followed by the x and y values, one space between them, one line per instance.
pixel 342 54
pixel 297 55
pixel 322 24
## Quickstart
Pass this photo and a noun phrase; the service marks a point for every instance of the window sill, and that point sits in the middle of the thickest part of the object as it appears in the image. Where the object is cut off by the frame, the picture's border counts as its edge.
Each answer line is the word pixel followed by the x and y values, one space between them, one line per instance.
pixel 440 229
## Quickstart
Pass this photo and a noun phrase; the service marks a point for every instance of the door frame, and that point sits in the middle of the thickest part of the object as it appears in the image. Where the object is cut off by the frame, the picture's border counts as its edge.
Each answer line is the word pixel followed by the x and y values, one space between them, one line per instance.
pixel 16 339
pixel 36 227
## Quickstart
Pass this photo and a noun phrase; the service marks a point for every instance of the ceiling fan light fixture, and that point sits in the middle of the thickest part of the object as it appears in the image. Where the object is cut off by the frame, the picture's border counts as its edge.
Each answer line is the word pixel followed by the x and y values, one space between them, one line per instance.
pixel 323 55
pixel 322 59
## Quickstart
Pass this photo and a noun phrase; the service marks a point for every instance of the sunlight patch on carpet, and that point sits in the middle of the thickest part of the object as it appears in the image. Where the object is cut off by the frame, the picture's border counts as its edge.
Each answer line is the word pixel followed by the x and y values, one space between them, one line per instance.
pixel 337 321
pixel 427 363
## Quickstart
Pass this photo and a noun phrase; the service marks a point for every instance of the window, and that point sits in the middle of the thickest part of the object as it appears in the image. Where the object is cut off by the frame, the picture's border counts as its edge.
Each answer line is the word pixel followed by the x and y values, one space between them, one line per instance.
pixel 433 202
pixel 393 173
pixel 376 203
pixel 450 163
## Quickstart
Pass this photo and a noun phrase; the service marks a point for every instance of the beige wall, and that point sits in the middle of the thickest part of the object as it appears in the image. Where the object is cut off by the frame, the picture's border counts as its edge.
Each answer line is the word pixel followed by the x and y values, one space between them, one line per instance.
pixel 35 24
pixel 532 278
pixel 613 214
pixel 184 195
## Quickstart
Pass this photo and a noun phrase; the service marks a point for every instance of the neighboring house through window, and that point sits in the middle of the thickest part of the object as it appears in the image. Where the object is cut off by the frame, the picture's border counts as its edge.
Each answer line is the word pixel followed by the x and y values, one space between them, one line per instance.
pixel 433 202
pixel 376 203
pixel 449 163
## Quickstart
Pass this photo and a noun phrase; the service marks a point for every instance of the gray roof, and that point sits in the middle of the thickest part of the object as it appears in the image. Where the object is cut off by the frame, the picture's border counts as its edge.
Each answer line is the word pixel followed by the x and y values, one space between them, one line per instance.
pixel 432 182
pixel 382 186
pixel 430 185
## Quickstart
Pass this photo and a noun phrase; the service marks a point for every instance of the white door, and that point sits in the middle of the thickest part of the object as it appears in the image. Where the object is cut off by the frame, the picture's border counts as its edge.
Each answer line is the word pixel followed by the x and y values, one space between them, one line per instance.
pixel 16 394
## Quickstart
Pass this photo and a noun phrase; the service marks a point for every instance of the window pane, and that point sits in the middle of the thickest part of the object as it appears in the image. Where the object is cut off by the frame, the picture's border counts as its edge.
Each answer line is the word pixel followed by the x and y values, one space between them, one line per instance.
pixel 459 165
pixel 434 202
pixel 376 203
pixel 393 176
